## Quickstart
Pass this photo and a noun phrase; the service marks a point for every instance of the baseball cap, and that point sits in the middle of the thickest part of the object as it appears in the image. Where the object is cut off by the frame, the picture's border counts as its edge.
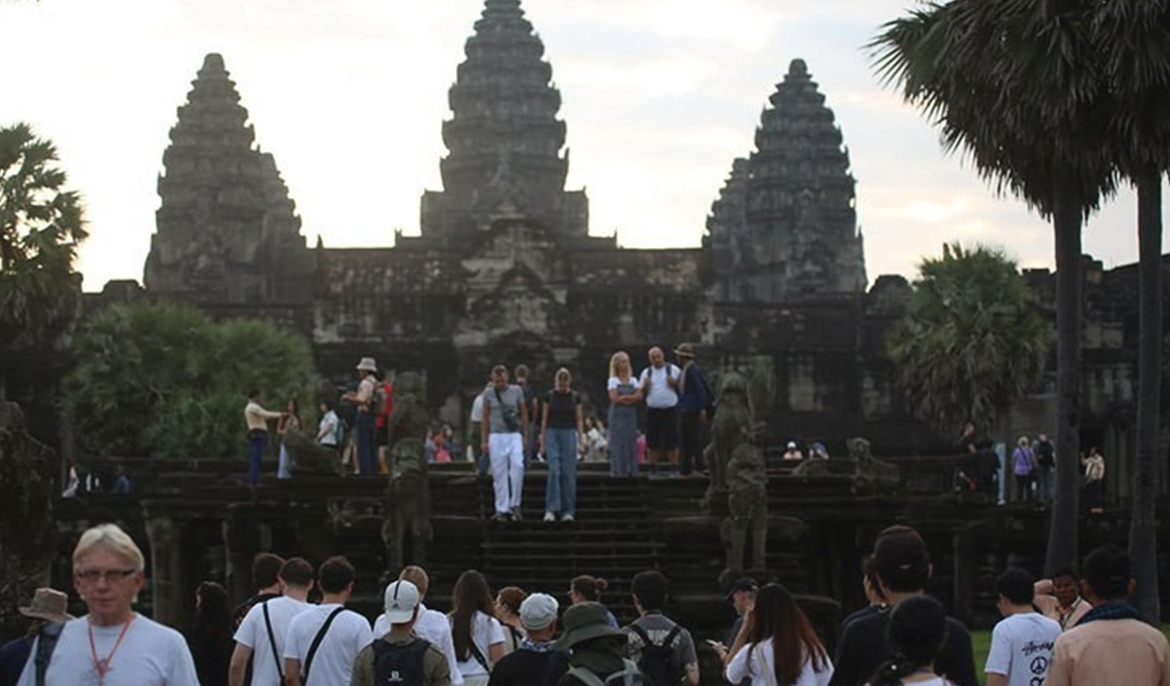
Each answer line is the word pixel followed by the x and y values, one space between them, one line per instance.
pixel 401 601
pixel 901 559
pixel 538 611
pixel 744 584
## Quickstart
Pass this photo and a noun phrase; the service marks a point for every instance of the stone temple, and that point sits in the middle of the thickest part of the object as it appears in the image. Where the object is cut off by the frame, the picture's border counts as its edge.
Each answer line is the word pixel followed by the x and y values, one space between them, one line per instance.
pixel 504 269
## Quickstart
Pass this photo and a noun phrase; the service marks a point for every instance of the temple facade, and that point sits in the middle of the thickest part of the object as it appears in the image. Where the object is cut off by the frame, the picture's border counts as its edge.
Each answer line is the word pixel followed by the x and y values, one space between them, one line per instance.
pixel 504 269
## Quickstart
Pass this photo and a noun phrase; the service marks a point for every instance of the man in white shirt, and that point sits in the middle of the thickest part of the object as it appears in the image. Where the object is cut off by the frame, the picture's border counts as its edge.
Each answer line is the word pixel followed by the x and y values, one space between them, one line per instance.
pixel 112 643
pixel 264 628
pixel 1021 644
pixel 660 388
pixel 256 418
pixel 432 626
pixel 323 641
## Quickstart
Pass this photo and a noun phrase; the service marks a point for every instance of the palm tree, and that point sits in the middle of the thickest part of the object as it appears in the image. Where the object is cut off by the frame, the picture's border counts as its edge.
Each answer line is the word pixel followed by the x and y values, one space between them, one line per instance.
pixel 972 342
pixel 1133 39
pixel 40 229
pixel 1004 81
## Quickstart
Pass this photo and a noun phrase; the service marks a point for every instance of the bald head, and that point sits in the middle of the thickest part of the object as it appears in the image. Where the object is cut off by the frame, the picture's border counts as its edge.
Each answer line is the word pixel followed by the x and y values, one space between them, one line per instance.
pixel 657 358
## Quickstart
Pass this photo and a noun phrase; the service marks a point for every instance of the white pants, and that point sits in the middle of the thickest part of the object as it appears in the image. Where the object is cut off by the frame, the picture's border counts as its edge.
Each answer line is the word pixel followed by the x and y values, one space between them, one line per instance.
pixel 507 455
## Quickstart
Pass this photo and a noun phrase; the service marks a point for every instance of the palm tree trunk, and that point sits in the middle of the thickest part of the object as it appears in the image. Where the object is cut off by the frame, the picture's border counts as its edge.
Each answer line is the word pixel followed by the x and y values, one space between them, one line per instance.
pixel 1143 524
pixel 1066 222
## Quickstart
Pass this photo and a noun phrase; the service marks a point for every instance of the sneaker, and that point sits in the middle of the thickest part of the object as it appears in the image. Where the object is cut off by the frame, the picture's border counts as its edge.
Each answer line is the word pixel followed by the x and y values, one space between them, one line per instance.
pixel 500 517
pixel 550 517
pixel 516 516
pixel 566 517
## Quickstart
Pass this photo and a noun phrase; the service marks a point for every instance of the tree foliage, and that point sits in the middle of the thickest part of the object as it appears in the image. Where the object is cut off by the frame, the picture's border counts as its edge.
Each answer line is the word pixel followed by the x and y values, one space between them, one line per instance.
pixel 161 379
pixel 972 341
pixel 41 227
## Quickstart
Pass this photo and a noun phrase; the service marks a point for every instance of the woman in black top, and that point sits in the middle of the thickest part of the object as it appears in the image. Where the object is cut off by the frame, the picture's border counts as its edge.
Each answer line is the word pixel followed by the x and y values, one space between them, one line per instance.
pixel 210 639
pixel 562 440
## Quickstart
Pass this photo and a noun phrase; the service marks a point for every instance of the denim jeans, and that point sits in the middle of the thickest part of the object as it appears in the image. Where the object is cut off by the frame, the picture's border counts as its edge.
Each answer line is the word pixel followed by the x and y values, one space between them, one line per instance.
pixel 365 443
pixel 560 447
pixel 256 441
pixel 1044 483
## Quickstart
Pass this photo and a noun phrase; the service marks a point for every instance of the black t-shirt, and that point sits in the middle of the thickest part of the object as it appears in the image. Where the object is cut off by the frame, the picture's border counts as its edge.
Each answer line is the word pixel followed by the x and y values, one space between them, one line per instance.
pixel 529 668
pixel 862 649
pixel 562 409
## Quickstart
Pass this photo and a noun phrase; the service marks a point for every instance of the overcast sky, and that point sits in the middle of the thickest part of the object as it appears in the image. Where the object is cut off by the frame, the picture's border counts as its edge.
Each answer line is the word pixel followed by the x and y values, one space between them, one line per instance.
pixel 349 95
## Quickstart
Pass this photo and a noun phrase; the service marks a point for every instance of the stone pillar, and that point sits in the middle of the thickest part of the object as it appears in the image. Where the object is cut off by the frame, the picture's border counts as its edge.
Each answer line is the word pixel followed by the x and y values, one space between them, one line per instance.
pixel 166 574
pixel 240 546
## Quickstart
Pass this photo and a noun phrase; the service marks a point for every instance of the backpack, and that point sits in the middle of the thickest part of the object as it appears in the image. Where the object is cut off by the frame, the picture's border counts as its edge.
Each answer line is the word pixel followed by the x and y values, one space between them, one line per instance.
pixel 1045 455
pixel 657 661
pixel 339 432
pixel 47 639
pixel 400 664
pixel 628 675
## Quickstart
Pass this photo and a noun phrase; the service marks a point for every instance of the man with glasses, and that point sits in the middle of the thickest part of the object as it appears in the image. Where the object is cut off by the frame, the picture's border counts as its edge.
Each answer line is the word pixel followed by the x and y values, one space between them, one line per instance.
pixel 113 645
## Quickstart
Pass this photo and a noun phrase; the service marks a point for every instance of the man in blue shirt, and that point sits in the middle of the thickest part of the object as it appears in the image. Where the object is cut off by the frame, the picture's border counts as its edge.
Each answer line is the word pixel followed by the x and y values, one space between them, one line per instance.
pixel 694 408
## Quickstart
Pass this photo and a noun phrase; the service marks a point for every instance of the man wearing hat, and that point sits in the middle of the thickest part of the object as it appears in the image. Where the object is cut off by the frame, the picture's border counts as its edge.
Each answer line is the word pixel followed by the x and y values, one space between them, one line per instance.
pixel 400 657
pixel 366 424
pixel 537 660
pixel 48 606
pixel 593 645
pixel 694 407
pixel 902 566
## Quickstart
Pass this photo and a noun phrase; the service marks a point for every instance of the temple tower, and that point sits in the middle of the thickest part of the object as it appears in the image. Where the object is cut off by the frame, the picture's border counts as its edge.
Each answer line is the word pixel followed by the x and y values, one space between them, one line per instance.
pixel 504 137
pixel 788 228
pixel 227 231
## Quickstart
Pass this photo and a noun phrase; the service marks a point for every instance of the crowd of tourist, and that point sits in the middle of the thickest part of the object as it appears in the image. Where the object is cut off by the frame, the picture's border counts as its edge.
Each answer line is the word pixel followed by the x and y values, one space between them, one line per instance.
pixel 1060 632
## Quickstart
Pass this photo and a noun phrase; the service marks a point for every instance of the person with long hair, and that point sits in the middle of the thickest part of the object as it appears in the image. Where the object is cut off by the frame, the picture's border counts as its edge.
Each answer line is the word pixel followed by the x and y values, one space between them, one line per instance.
pixel 478 637
pixel 562 438
pixel 291 421
pixel 508 613
pixel 624 395
pixel 915 636
pixel 588 589
pixel 777 645
pixel 210 639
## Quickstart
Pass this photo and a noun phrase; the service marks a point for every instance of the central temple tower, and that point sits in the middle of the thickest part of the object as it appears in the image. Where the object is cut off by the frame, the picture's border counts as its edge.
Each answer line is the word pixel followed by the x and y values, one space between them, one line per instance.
pixel 504 137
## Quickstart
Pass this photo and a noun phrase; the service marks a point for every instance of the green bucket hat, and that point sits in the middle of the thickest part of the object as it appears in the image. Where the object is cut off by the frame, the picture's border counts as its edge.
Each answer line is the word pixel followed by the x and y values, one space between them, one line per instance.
pixel 584 622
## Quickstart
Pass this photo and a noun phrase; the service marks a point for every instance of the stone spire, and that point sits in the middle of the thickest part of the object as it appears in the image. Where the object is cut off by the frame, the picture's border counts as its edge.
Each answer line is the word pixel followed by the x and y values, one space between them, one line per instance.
pixel 504 137
pixel 226 228
pixel 800 219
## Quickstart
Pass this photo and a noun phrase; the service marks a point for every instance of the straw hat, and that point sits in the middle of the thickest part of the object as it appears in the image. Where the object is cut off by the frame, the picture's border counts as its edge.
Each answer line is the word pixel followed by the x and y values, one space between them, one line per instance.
pixel 367 365
pixel 685 350
pixel 49 604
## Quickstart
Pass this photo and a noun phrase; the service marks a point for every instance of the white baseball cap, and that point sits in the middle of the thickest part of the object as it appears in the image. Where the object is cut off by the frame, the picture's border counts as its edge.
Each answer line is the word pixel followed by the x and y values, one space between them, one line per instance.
pixel 401 602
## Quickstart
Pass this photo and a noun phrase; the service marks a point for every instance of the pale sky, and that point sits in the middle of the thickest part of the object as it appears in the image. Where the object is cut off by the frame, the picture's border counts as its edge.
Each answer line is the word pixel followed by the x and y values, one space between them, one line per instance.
pixel 349 95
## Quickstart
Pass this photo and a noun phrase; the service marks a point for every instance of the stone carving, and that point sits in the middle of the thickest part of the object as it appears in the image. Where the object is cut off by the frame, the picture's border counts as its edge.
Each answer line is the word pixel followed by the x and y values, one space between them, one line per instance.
pixel 309 458
pixel 868 467
pixel 408 501
pixel 27 529
pixel 739 473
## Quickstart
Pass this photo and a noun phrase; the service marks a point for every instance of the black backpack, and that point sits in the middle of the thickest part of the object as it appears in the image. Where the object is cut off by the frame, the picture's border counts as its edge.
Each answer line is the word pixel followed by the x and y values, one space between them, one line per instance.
pixel 400 664
pixel 1045 455
pixel 657 661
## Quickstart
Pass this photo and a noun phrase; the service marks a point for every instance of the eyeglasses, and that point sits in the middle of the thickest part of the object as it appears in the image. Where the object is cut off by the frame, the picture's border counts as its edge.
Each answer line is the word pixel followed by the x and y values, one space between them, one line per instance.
pixel 92 576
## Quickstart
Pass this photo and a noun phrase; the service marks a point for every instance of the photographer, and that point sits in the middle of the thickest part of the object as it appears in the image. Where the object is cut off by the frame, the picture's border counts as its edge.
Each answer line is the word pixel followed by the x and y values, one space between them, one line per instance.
pixel 502 438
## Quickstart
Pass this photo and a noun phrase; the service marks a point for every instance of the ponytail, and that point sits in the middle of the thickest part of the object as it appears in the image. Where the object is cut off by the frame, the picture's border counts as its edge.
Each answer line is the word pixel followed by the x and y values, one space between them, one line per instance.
pixel 892 671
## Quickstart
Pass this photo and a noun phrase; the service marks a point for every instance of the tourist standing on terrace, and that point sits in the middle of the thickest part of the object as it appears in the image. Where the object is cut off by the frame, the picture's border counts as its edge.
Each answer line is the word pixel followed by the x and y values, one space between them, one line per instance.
pixel 695 405
pixel 624 396
pixel 562 438
pixel 365 426
pixel 660 386
pixel 290 421
pixel 1023 465
pixel 502 438
pixel 1094 480
pixel 329 428
pixel 256 418
pixel 112 639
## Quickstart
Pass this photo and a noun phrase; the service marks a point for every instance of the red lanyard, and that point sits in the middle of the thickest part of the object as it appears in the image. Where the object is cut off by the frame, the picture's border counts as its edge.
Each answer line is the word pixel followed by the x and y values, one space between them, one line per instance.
pixel 103 666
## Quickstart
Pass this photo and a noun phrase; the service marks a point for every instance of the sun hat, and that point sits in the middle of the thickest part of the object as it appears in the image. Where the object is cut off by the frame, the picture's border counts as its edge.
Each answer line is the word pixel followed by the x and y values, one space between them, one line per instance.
pixel 685 350
pixel 401 600
pixel 367 365
pixel 48 604
pixel 538 611
pixel 583 622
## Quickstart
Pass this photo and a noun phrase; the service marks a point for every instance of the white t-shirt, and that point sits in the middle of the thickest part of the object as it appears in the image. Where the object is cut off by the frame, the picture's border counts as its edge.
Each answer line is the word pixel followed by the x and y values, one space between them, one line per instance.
pixel 755 662
pixel 328 426
pixel 1021 648
pixel 661 394
pixel 485 632
pixel 333 661
pixel 477 409
pixel 434 628
pixel 150 655
pixel 253 633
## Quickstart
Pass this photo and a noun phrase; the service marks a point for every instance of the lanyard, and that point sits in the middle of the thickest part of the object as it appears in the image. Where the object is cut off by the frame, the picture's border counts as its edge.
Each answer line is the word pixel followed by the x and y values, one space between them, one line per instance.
pixel 103 666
